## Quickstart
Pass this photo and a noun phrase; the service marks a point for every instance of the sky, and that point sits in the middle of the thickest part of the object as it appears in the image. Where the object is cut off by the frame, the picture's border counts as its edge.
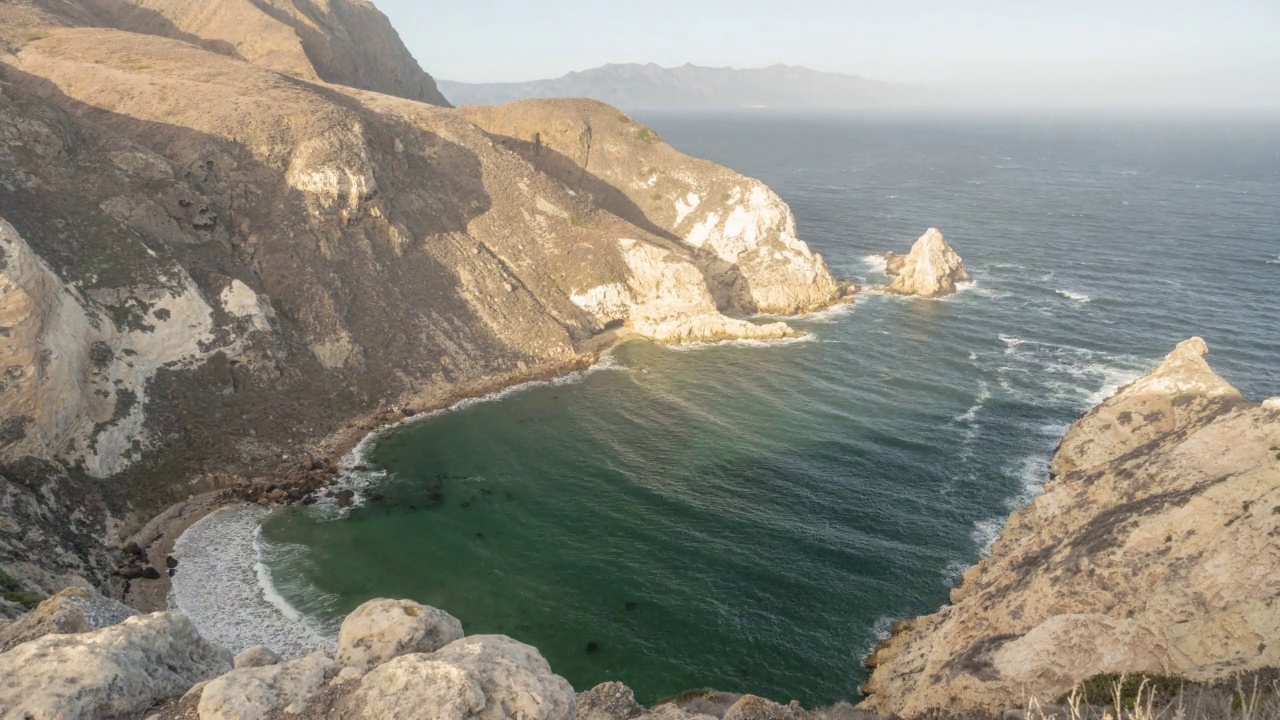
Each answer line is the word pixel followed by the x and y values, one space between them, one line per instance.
pixel 1224 53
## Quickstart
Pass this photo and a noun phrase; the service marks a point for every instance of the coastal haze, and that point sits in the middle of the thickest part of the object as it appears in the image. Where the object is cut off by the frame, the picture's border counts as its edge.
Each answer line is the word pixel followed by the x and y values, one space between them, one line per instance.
pixel 647 87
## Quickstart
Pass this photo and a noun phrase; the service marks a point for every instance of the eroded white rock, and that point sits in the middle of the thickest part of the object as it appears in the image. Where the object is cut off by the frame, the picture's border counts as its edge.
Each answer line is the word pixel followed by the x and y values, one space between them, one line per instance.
pixel 380 630
pixel 489 677
pixel 254 692
pixel 932 269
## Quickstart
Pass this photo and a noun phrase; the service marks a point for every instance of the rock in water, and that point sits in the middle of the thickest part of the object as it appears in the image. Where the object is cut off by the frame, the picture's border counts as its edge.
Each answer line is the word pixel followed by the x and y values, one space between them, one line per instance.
pixel 74 610
pixel 380 630
pixel 932 269
pixel 1152 550
pixel 485 677
pixel 121 670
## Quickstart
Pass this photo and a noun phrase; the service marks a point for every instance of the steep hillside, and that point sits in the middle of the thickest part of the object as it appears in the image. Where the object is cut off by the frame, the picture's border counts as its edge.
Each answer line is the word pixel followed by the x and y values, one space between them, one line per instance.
pixel 634 86
pixel 345 42
pixel 210 267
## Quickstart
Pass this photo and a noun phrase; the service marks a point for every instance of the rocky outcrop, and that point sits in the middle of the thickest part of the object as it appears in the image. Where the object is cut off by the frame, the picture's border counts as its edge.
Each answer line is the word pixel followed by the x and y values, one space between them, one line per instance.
pixel 256 692
pixel 1151 550
pixel 932 269
pixel 121 670
pixel 491 677
pixel 196 246
pixel 74 610
pixel 382 630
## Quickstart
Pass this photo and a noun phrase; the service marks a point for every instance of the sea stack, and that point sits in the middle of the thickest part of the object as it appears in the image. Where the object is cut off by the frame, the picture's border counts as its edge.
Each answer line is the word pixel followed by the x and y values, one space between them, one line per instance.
pixel 932 269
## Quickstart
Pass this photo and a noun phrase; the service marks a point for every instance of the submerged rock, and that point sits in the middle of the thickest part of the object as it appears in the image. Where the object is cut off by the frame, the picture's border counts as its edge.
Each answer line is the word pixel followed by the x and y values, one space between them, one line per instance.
pixel 120 670
pixel 486 676
pixel 1152 550
pixel 381 630
pixel 74 610
pixel 932 269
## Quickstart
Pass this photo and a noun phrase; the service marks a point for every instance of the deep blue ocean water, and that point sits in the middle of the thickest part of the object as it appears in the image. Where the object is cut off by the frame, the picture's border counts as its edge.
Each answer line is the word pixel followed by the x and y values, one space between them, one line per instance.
pixel 752 517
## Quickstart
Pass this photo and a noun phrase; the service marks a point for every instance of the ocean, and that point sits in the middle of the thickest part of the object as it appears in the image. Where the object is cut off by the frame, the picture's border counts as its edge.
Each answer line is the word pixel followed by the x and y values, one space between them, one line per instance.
pixel 753 517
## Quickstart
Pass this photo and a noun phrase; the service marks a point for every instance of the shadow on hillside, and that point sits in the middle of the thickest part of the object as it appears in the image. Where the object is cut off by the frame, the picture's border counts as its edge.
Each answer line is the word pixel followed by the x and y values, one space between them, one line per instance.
pixel 130 17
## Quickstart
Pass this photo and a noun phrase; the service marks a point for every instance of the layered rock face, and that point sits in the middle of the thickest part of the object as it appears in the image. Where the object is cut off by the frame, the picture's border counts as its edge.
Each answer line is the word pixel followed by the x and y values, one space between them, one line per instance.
pixel 208 264
pixel 932 269
pixel 1153 549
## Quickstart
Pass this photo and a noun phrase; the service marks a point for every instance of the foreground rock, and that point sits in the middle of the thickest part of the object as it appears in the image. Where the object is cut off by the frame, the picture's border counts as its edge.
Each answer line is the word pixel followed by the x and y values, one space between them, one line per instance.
pixel 382 630
pixel 255 692
pixel 932 269
pixel 120 670
pixel 491 677
pixel 1153 549
pixel 74 610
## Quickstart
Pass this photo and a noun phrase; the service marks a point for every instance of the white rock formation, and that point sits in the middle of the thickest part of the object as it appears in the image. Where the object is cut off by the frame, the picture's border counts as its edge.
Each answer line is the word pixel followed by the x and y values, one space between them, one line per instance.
pixel 380 630
pixel 485 677
pixel 932 269
pixel 666 299
pixel 255 692
pixel 120 670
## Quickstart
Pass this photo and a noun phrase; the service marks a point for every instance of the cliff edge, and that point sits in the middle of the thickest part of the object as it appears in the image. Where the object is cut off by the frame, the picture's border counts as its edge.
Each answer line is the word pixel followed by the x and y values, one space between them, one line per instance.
pixel 1152 550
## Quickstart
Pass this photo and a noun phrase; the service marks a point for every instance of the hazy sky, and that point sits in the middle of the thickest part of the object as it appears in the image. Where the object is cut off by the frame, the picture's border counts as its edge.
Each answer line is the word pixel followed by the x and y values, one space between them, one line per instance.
pixel 1152 52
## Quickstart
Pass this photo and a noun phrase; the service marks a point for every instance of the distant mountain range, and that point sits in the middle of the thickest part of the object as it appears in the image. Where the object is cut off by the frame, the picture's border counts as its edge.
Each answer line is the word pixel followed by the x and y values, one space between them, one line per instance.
pixel 634 86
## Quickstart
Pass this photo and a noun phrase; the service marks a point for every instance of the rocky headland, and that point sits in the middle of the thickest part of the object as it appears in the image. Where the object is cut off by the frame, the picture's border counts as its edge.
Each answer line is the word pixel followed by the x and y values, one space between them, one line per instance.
pixel 236 238
pixel 932 269
pixel 1152 550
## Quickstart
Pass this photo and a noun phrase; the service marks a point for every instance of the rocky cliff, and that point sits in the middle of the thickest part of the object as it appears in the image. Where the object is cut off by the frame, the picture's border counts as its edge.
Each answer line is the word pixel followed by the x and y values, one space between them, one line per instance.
pixel 932 269
pixel 213 257
pixel 1152 550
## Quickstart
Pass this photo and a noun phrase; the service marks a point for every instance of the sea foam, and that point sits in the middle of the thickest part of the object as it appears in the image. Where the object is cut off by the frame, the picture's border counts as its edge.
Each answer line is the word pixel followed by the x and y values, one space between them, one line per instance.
pixel 1075 296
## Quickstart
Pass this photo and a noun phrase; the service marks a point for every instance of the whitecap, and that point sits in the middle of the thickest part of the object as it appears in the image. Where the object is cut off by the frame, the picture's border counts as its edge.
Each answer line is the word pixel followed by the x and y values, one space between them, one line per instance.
pixel 744 342
pixel 224 587
pixel 1011 343
pixel 1075 296
pixel 970 415
pixel 1274 261
pixel 985 533
pixel 877 263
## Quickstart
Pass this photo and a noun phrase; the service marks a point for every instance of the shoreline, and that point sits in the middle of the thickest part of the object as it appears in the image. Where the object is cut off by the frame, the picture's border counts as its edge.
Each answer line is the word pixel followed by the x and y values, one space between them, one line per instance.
pixel 157 538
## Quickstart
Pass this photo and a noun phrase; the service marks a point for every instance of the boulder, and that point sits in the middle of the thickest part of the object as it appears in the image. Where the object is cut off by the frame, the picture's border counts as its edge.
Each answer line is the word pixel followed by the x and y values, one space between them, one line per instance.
pixel 256 657
pixel 256 692
pixel 608 701
pixel 120 670
pixel 932 269
pixel 488 677
pixel 751 707
pixel 381 630
pixel 74 610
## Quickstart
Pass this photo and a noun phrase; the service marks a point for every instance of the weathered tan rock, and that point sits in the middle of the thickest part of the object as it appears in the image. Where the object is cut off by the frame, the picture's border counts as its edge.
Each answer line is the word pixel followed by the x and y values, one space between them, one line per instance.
pixel 752 707
pixel 608 701
pixel 74 610
pixel 256 657
pixel 484 676
pixel 380 630
pixel 256 692
pixel 1152 550
pixel 932 269
pixel 119 670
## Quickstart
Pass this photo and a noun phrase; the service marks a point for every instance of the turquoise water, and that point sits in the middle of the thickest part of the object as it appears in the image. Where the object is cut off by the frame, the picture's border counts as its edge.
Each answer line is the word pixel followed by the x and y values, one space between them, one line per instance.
pixel 752 517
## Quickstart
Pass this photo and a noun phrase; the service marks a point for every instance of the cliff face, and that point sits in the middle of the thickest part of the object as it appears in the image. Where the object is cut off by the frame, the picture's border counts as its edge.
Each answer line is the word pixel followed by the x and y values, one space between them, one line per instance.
pixel 209 265
pixel 1153 549
pixel 345 42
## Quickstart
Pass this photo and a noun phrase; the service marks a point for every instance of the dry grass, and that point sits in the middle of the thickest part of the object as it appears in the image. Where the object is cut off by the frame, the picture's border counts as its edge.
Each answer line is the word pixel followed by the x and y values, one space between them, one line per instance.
pixel 1254 696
